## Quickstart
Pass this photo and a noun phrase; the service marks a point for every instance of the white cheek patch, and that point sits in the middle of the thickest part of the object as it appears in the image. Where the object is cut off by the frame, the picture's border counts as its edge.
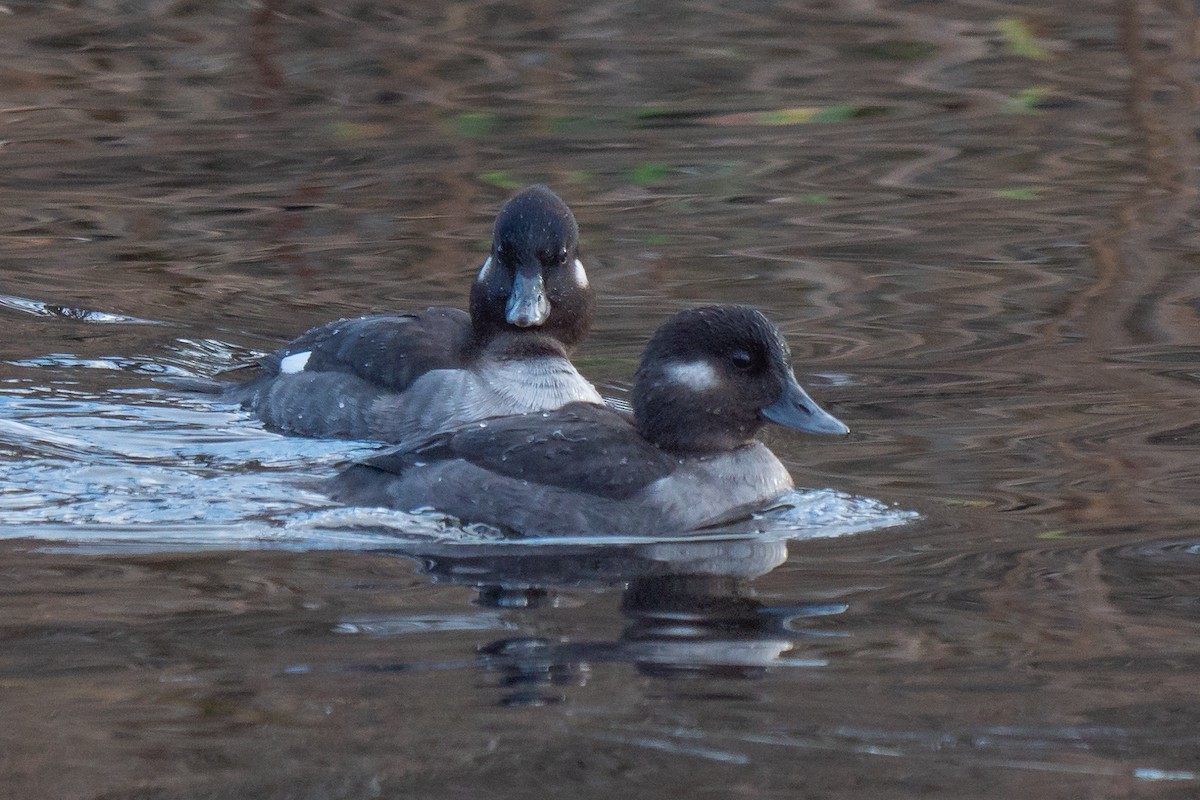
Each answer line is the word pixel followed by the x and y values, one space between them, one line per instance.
pixel 699 376
pixel 580 275
pixel 485 270
pixel 294 363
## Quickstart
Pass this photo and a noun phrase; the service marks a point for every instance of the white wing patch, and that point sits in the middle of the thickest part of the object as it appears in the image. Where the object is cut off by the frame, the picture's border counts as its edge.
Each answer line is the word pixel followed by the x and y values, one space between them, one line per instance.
pixel 483 272
pixel 294 363
pixel 699 376
pixel 580 275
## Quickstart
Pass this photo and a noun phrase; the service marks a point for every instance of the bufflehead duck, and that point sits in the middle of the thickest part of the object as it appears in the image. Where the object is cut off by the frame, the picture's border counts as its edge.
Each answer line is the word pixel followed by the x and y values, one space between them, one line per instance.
pixel 401 377
pixel 709 380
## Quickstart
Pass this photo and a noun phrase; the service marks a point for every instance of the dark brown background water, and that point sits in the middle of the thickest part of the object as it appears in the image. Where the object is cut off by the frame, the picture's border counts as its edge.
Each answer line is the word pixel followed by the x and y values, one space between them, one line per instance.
pixel 976 221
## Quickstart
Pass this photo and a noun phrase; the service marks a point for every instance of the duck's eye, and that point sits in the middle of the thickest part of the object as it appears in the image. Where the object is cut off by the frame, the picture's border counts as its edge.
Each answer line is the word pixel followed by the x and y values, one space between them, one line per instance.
pixel 741 360
pixel 554 259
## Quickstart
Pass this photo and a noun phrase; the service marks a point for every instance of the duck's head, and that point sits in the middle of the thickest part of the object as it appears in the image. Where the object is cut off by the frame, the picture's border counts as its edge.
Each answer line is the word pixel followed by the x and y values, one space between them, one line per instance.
pixel 713 377
pixel 533 279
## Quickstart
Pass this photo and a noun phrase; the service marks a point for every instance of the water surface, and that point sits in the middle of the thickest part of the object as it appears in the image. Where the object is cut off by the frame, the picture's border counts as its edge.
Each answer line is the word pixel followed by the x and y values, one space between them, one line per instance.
pixel 975 222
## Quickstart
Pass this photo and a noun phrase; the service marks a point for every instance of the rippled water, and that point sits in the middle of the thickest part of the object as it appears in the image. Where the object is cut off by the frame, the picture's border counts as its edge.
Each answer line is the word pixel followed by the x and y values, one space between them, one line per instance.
pixel 976 223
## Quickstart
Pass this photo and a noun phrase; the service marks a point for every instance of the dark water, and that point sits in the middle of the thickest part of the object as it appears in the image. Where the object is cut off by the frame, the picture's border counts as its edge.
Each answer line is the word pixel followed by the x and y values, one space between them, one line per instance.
pixel 975 221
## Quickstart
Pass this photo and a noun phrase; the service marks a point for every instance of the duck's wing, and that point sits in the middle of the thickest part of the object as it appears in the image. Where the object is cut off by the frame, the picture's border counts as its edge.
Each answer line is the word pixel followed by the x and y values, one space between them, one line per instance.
pixel 581 447
pixel 388 351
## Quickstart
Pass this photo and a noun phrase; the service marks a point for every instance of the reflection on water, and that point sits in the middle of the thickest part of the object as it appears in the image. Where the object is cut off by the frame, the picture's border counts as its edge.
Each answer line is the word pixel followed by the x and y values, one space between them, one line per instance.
pixel 688 608
pixel 976 224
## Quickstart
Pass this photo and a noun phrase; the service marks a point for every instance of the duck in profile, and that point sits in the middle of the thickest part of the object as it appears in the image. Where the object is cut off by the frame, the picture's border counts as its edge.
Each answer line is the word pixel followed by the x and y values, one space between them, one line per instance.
pixel 709 380
pixel 402 377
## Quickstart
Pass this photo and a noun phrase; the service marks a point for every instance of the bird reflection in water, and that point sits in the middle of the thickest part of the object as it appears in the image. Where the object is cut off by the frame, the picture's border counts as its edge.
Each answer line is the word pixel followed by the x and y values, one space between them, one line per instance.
pixel 689 608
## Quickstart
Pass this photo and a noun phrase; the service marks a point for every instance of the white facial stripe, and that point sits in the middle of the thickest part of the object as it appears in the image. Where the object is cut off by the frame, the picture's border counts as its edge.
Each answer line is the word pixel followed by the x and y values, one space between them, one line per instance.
pixel 699 376
pixel 580 276
pixel 294 363
pixel 483 272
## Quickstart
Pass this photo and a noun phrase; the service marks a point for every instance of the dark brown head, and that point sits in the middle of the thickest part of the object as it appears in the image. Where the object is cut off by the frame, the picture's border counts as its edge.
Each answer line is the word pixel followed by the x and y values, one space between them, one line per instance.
pixel 712 377
pixel 533 280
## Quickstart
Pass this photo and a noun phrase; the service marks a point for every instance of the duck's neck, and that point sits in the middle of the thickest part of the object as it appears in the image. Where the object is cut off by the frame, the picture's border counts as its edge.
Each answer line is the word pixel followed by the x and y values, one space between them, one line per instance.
pixel 687 433
pixel 688 424
pixel 522 344
pixel 569 322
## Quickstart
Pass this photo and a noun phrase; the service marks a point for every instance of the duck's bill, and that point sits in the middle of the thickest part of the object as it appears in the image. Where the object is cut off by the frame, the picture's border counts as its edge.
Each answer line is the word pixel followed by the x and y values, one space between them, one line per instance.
pixel 527 305
pixel 795 409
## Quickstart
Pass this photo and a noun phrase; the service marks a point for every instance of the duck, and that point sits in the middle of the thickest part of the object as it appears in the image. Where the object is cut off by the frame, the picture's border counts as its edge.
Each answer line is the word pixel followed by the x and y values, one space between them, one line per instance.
pixel 400 377
pixel 710 379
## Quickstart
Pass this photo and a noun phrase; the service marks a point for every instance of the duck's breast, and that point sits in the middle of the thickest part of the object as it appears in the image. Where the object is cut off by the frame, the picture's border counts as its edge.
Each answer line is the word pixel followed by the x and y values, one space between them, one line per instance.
pixel 702 491
pixel 443 400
